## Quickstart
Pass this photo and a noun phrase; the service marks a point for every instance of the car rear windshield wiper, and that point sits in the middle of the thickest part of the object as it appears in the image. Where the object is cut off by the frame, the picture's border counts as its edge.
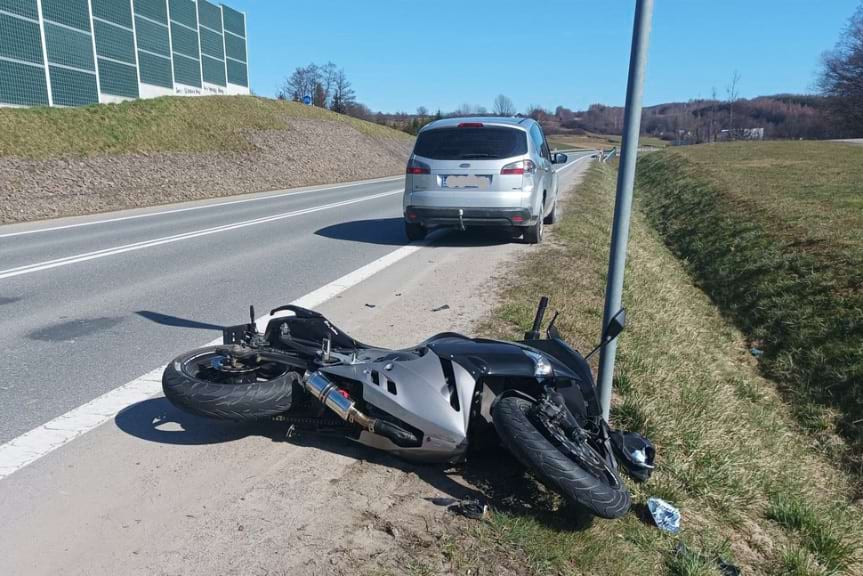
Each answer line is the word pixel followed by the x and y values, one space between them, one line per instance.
pixel 467 156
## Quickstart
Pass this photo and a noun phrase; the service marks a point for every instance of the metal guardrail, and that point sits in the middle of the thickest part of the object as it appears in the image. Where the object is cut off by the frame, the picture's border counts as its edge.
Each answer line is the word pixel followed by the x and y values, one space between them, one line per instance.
pixel 603 155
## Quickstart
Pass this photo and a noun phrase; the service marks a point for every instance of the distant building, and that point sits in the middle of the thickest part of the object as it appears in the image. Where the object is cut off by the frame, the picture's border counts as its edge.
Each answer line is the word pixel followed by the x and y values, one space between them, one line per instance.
pixel 742 134
pixel 78 52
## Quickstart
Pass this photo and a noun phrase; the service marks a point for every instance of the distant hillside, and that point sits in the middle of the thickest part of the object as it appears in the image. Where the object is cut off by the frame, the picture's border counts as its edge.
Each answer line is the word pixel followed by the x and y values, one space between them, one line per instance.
pixel 785 116
pixel 66 161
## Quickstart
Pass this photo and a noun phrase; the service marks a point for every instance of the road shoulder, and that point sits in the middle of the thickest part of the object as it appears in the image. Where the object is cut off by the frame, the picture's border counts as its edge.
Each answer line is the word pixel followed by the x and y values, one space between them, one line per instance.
pixel 160 492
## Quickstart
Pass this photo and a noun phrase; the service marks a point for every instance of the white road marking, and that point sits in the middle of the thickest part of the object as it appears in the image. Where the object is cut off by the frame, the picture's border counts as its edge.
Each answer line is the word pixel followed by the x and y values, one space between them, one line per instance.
pixel 39 266
pixel 41 441
pixel 569 165
pixel 200 207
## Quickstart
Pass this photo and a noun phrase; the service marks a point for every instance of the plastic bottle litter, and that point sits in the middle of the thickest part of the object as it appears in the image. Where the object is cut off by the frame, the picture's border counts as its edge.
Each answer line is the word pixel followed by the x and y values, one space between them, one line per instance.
pixel 666 516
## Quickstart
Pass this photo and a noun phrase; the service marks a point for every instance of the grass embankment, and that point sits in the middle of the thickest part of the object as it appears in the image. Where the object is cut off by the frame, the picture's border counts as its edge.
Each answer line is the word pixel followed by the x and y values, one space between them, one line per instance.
pixel 590 141
pixel 773 232
pixel 750 486
pixel 171 124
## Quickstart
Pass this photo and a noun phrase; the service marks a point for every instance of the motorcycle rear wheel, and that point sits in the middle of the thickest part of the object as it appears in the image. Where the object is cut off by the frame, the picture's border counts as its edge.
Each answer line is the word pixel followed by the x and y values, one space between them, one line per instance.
pixel 195 383
pixel 589 482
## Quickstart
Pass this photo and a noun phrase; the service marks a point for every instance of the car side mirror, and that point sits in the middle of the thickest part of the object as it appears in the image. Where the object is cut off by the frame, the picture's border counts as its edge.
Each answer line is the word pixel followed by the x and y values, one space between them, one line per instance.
pixel 615 326
pixel 558 158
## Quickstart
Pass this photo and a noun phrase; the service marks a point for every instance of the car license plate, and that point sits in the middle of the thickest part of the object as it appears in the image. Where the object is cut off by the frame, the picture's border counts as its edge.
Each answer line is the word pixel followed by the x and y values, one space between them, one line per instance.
pixel 457 181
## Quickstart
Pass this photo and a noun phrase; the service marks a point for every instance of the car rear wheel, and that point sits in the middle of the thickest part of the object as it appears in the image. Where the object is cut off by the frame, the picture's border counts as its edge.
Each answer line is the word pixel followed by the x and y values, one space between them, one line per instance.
pixel 533 234
pixel 415 232
pixel 552 216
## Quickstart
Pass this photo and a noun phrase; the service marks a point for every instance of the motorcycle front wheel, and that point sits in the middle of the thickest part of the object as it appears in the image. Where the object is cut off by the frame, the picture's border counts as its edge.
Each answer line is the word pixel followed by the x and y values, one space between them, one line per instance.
pixel 209 382
pixel 573 469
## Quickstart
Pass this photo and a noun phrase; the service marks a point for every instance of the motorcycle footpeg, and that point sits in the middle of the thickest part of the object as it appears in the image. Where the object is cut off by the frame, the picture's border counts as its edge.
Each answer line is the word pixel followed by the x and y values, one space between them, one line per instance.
pixel 237 351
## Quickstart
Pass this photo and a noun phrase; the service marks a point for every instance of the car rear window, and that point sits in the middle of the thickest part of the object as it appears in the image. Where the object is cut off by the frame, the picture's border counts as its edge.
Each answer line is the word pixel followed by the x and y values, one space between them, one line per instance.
pixel 471 143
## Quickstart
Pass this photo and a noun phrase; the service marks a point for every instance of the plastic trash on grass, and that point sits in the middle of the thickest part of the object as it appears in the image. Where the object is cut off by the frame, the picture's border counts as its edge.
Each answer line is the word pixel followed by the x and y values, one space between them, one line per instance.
pixel 666 516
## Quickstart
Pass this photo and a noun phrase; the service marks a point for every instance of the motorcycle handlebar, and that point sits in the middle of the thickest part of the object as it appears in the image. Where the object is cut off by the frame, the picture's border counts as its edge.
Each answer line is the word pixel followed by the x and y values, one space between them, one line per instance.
pixel 537 320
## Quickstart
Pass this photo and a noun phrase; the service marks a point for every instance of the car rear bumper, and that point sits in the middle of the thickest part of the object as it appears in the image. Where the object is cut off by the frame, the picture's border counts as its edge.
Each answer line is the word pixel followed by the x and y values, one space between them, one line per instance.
pixel 468 216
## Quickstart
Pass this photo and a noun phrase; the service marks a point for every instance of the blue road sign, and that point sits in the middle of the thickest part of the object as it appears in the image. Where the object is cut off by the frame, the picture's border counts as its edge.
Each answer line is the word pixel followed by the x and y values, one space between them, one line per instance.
pixel 307 99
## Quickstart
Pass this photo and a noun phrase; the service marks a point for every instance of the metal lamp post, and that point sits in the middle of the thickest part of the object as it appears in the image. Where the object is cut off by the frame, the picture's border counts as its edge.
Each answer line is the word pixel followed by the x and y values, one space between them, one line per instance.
pixel 623 200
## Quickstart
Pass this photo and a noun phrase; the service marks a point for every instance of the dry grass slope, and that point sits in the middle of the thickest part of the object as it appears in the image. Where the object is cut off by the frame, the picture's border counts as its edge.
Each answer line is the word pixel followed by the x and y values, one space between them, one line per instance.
pixel 773 232
pixel 751 487
pixel 172 124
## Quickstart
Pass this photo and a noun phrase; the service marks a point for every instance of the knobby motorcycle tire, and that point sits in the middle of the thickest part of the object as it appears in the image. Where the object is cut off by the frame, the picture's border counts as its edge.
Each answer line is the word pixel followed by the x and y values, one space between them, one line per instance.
pixel 240 402
pixel 554 468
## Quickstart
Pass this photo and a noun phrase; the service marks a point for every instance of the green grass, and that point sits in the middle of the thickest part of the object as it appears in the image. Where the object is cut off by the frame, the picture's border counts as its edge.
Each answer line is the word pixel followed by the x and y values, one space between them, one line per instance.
pixel 729 451
pixel 590 141
pixel 773 232
pixel 171 124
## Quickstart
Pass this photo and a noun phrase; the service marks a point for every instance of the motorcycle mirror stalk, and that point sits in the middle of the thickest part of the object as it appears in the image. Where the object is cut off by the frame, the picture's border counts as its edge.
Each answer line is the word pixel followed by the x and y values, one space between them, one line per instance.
pixel 612 331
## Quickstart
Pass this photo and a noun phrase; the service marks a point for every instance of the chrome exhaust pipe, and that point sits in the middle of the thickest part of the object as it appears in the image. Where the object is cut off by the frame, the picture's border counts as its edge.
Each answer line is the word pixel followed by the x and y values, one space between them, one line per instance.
pixel 328 394
pixel 331 396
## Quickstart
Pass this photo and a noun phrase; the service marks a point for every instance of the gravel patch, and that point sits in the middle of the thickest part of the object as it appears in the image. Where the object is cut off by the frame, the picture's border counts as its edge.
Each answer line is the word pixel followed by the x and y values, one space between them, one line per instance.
pixel 309 152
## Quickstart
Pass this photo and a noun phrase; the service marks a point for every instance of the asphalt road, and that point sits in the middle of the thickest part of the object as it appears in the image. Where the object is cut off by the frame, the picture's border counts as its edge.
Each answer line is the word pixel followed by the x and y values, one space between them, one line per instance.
pixel 88 304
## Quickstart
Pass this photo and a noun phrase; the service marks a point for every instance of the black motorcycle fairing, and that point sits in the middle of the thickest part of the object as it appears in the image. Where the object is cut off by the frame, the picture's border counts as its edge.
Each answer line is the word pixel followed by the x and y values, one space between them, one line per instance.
pixel 585 393
pixel 483 357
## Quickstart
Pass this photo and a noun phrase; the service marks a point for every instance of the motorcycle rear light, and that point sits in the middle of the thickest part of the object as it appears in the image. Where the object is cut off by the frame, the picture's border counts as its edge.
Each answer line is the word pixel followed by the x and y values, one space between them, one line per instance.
pixel 520 167
pixel 470 125
pixel 417 167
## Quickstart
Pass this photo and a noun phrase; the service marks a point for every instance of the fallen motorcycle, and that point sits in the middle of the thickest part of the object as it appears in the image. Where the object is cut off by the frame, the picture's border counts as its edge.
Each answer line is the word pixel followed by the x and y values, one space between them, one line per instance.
pixel 424 403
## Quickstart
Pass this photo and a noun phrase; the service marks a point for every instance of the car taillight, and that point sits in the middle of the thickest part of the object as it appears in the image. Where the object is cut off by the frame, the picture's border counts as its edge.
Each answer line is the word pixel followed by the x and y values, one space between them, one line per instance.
pixel 520 167
pixel 417 167
pixel 470 125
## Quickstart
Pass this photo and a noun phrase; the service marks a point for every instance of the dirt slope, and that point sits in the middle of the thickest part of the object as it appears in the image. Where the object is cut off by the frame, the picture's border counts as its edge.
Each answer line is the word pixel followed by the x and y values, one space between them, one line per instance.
pixel 78 161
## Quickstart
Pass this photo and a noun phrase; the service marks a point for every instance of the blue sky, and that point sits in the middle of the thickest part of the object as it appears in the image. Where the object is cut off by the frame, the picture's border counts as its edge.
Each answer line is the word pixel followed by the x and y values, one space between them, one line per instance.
pixel 401 54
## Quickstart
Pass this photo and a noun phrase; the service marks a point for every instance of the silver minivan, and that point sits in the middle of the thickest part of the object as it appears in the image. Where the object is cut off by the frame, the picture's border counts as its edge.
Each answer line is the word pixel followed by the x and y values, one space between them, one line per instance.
pixel 481 172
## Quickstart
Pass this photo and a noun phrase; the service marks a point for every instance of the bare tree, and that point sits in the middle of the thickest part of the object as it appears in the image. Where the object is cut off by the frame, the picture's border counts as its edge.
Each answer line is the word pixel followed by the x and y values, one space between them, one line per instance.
pixel 298 84
pixel 324 84
pixel 422 111
pixel 319 95
pixel 503 106
pixel 328 74
pixel 841 77
pixel 343 98
pixel 467 109
pixel 537 112
pixel 733 95
pixel 358 110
